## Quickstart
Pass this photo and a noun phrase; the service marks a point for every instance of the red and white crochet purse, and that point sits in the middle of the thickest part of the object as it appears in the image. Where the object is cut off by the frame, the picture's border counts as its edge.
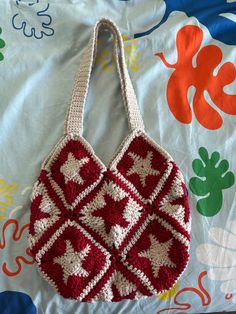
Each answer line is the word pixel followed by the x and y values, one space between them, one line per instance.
pixel 109 233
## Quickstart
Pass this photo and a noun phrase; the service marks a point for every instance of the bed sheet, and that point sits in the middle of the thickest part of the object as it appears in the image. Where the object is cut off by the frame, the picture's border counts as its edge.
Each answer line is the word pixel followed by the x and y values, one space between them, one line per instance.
pixel 181 57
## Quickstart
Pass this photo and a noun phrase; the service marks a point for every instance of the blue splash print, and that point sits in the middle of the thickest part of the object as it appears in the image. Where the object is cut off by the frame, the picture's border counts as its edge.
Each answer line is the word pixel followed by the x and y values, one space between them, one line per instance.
pixel 32 19
pixel 16 302
pixel 208 13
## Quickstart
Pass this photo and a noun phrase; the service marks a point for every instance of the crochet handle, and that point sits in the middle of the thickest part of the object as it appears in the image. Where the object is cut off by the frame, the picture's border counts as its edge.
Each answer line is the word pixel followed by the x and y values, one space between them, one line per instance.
pixel 74 122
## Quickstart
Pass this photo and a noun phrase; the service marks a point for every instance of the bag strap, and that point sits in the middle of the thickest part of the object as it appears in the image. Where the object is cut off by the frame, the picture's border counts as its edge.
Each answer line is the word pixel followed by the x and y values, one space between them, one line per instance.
pixel 74 121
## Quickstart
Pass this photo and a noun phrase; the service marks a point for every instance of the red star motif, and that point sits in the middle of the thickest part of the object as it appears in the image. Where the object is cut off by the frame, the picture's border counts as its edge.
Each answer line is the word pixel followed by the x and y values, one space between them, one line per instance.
pixel 112 213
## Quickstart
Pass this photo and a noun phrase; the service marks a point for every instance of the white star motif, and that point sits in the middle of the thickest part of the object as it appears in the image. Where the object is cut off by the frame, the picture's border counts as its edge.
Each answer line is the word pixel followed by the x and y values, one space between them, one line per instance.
pixel 71 261
pixel 158 254
pixel 142 166
pixel 71 168
pixel 46 205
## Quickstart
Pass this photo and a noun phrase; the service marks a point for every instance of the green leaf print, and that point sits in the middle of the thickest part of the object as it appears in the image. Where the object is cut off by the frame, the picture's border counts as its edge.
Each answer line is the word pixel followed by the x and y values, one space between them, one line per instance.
pixel 215 180
pixel 2 45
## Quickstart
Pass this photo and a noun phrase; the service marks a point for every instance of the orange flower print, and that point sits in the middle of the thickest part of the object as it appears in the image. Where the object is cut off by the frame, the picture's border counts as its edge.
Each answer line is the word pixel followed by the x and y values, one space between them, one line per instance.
pixel 188 42
pixel 13 237
pixel 183 303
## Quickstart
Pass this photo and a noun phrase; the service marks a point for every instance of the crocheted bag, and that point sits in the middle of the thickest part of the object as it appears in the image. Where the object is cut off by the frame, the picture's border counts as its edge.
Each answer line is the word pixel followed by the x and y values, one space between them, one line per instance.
pixel 116 232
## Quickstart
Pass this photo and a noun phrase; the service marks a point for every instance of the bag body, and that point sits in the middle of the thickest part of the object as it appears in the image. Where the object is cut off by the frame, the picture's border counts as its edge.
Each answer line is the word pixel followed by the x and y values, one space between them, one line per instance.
pixel 108 233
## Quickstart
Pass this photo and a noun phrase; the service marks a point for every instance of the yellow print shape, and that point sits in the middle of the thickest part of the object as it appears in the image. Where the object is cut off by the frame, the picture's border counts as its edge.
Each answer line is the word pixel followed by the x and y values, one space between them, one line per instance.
pixel 6 199
pixel 169 294
pixel 107 59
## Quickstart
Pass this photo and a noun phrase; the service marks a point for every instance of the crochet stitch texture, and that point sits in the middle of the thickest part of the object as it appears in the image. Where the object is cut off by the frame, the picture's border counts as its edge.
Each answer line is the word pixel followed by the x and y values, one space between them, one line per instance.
pixel 109 233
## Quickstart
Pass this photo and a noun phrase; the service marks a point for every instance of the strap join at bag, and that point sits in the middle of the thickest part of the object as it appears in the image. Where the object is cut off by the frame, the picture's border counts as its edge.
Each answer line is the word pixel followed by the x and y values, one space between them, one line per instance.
pixel 74 122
